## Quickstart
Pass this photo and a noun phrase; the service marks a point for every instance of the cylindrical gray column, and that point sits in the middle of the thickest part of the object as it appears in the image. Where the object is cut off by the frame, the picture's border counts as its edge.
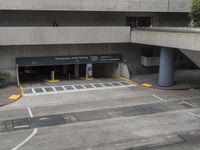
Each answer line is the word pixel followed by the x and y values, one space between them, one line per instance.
pixel 167 68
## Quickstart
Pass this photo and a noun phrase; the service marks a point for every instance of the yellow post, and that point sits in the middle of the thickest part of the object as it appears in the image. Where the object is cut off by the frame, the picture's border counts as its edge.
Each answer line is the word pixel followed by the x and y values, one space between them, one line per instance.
pixel 53 78
pixel 52 75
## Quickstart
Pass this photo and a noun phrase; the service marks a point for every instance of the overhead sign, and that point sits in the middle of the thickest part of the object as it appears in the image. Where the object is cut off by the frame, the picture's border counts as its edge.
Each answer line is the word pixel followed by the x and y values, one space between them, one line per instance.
pixel 63 60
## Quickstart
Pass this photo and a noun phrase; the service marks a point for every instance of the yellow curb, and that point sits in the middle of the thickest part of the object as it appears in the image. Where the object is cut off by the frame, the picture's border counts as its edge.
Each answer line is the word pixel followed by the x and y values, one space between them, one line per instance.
pixel 53 81
pixel 147 84
pixel 22 91
pixel 15 97
pixel 125 79
pixel 88 79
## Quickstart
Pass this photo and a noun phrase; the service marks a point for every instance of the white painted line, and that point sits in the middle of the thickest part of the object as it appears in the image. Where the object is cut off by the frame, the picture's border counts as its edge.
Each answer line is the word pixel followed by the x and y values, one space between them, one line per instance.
pixel 18 127
pixel 102 85
pixel 30 112
pixel 161 99
pixel 93 85
pixel 26 140
pixel 74 88
pixel 189 104
pixel 44 90
pixel 195 115
pixel 64 88
pixel 35 130
pixel 54 89
pixel 33 91
pixel 79 90
pixel 120 84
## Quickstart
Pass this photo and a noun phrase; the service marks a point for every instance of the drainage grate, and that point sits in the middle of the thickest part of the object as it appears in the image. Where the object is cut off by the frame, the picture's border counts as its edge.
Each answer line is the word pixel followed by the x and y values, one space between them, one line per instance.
pixel 59 88
pixel 53 120
pixel 69 87
pixel 124 83
pixel 88 86
pixel 6 126
pixel 49 89
pixel 28 91
pixel 38 90
pixel 115 84
pixel 78 87
pixel 20 124
pixel 107 84
pixel 97 85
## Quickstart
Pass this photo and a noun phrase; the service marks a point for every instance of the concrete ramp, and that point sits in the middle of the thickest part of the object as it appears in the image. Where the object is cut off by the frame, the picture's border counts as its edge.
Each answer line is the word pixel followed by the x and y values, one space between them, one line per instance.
pixel 174 37
pixel 192 55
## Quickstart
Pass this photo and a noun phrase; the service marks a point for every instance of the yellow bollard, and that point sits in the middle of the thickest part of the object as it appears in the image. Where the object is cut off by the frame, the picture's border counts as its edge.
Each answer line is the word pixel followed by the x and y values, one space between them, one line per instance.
pixel 52 75
pixel 53 78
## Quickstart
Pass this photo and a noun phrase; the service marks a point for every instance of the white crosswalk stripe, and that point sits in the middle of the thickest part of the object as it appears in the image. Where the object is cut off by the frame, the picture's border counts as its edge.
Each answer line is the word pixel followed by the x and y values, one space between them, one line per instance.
pixel 76 88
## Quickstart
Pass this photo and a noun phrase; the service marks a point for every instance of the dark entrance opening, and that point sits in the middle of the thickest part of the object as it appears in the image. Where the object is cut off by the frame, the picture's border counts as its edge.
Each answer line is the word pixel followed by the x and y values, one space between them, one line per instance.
pixel 39 69
pixel 101 70
pixel 43 73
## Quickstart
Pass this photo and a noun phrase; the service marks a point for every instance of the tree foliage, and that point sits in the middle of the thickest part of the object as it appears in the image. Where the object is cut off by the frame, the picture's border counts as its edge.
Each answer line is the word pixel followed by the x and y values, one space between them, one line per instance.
pixel 3 75
pixel 195 12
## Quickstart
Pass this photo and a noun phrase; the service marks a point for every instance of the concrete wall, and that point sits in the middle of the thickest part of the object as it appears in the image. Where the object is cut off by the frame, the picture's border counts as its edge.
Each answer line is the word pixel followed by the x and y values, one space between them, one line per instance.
pixel 130 53
pixel 63 35
pixel 63 18
pixel 99 5
pixel 173 20
pixel 192 55
pixel 68 18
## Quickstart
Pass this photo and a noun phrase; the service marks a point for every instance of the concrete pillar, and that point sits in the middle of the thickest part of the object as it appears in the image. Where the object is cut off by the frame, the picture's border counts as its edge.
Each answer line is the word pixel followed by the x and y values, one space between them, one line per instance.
pixel 76 71
pixel 167 67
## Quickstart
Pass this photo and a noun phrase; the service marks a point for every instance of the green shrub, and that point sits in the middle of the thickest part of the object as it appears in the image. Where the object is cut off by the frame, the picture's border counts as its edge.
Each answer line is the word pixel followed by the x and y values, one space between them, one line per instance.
pixel 195 12
pixel 4 75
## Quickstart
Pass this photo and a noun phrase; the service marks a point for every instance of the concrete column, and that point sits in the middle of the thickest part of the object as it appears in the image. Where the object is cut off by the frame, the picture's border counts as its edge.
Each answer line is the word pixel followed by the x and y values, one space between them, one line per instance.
pixel 167 67
pixel 76 71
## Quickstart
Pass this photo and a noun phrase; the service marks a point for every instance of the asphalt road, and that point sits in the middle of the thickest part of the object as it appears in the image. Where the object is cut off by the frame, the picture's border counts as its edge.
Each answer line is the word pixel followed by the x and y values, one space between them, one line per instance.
pixel 123 118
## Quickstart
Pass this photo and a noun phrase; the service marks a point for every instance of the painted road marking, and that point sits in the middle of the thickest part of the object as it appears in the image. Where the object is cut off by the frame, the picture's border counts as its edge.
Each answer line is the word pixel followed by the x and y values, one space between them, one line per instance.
pixel 195 115
pixel 161 99
pixel 35 130
pixel 73 88
pixel 30 112
pixel 18 127
pixel 189 104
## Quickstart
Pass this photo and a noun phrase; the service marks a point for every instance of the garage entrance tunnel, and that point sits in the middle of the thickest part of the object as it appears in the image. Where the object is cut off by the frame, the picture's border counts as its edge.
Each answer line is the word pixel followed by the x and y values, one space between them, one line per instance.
pixel 43 69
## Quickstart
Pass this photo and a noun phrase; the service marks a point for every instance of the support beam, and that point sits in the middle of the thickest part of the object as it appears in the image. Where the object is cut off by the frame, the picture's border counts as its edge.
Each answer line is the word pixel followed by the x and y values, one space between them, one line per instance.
pixel 167 67
pixel 76 71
